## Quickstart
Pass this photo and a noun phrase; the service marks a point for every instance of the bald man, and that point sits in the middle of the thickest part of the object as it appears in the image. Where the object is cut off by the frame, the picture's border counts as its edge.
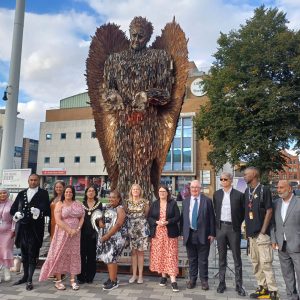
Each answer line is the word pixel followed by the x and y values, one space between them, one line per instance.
pixel 285 236
pixel 258 215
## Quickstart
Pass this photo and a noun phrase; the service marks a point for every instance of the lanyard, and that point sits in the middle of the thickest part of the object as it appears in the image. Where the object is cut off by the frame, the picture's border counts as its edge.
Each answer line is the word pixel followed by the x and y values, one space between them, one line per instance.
pixel 251 196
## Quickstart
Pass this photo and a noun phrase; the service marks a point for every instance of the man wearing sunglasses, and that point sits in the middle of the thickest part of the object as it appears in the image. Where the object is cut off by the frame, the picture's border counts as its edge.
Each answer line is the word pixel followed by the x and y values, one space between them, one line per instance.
pixel 229 209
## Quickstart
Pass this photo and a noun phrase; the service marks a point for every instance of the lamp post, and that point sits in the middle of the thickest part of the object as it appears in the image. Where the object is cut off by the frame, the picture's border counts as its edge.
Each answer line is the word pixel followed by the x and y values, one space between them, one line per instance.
pixel 10 118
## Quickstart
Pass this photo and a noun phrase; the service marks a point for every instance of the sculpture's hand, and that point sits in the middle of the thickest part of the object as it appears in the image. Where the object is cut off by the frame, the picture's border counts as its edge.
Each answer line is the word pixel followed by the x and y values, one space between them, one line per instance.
pixel 113 100
pixel 140 101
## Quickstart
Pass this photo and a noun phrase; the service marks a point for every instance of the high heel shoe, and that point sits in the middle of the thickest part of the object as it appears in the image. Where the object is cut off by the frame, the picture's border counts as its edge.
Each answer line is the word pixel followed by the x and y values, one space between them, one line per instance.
pixel 133 279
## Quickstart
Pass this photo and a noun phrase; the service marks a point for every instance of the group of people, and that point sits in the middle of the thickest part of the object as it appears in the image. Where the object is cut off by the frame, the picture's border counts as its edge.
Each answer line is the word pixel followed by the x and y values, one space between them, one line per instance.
pixel 89 231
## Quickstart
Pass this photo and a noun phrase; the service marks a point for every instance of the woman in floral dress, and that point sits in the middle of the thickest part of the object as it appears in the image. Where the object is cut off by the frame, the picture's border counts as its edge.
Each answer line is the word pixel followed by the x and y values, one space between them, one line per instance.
pixel 7 231
pixel 112 236
pixel 137 210
pixel 64 252
pixel 164 216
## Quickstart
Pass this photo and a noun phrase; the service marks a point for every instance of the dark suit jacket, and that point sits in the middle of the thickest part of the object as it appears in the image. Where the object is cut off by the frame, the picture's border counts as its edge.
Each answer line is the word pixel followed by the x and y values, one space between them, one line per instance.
pixel 237 203
pixel 41 201
pixel 172 216
pixel 206 220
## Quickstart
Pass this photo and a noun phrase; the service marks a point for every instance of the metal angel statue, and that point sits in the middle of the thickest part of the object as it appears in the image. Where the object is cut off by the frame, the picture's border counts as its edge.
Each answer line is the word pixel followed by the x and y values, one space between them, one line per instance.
pixel 136 95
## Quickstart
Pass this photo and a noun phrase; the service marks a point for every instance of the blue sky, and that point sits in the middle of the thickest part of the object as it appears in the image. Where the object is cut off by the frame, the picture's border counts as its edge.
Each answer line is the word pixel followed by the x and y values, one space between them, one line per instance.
pixel 57 36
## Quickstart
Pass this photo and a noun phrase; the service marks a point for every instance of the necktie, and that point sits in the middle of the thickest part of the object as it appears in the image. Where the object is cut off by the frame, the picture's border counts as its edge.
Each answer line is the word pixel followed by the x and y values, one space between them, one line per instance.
pixel 195 214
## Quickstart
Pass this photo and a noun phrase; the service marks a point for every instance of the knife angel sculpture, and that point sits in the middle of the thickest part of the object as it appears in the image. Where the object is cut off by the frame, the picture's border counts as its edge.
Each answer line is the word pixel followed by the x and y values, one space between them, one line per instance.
pixel 136 94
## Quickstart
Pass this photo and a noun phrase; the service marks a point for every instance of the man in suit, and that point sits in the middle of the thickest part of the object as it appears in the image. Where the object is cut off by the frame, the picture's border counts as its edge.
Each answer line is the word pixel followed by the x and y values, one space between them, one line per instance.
pixel 229 208
pixel 198 228
pixel 285 235
pixel 29 210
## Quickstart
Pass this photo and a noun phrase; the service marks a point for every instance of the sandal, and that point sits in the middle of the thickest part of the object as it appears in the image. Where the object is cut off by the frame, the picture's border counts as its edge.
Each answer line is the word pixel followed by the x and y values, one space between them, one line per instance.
pixel 59 286
pixel 74 285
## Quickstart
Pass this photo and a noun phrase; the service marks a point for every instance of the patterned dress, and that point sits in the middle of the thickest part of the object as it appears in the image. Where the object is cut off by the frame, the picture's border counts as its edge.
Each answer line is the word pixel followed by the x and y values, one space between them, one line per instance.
pixel 6 240
pixel 164 250
pixel 138 227
pixel 110 250
pixel 64 252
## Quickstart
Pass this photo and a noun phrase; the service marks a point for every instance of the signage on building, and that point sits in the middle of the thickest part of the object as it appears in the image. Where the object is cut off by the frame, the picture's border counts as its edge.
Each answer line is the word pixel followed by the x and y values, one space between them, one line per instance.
pixel 15 178
pixel 197 87
pixel 18 151
pixel 54 171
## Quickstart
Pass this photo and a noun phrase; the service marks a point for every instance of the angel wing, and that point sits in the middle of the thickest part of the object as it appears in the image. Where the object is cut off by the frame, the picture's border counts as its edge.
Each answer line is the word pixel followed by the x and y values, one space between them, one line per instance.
pixel 174 42
pixel 108 39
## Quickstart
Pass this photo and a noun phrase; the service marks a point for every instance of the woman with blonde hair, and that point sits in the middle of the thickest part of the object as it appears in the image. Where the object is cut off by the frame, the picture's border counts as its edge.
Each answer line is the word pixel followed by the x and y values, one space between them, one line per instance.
pixel 137 209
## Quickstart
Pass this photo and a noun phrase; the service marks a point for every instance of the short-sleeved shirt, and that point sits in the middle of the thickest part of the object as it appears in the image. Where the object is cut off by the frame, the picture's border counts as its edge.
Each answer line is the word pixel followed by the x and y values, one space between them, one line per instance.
pixel 260 205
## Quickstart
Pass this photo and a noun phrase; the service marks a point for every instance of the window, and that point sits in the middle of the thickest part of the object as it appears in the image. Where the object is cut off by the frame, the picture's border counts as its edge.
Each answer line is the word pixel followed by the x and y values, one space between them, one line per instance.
pixel 92 159
pixel 93 134
pixel 47 160
pixel 77 159
pixel 63 136
pixel 78 135
pixel 48 136
pixel 62 160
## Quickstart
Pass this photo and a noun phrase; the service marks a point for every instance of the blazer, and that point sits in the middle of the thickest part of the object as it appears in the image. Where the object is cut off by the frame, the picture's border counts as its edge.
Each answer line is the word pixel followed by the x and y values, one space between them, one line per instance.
pixel 237 205
pixel 172 216
pixel 290 225
pixel 41 201
pixel 206 220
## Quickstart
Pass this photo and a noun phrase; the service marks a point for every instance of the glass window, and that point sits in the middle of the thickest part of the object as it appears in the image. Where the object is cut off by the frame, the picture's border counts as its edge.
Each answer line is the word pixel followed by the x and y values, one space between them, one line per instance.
pixel 78 135
pixel 186 142
pixel 178 129
pixel 92 159
pixel 93 134
pixel 63 136
pixel 77 159
pixel 61 160
pixel 187 127
pixel 48 136
pixel 47 160
pixel 168 164
pixel 177 159
pixel 177 142
pixel 187 159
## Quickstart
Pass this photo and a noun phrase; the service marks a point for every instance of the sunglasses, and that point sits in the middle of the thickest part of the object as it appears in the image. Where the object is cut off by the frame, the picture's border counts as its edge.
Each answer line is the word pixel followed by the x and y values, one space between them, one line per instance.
pixel 223 179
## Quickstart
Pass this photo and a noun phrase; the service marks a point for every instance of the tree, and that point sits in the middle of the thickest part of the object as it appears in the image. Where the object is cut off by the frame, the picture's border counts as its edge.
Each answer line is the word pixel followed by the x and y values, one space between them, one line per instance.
pixel 254 91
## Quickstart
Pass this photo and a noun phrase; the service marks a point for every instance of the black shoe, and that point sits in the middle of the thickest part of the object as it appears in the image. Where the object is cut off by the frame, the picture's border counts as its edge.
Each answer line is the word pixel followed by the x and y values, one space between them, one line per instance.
pixel 163 281
pixel 240 290
pixel 111 286
pixel 260 291
pixel 273 295
pixel 204 285
pixel 108 281
pixel 221 288
pixel 190 284
pixel 174 287
pixel 80 281
pixel 20 281
pixel 29 286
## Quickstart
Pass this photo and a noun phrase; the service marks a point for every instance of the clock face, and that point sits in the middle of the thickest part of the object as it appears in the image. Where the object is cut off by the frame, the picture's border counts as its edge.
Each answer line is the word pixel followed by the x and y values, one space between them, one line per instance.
pixel 197 87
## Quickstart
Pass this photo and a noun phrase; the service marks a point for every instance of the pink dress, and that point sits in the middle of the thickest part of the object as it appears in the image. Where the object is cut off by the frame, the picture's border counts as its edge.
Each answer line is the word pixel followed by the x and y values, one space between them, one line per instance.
pixel 164 250
pixel 64 252
pixel 6 240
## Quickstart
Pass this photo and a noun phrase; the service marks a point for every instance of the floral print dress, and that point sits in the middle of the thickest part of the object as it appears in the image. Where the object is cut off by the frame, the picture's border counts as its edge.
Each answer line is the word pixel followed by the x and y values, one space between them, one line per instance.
pixel 138 227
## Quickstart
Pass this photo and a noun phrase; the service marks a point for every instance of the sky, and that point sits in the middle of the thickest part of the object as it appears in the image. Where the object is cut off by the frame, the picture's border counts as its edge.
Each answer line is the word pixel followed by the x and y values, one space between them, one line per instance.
pixel 57 35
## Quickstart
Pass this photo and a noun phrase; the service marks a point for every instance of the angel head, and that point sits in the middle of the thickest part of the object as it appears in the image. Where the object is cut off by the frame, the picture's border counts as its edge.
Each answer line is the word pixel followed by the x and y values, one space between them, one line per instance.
pixel 140 33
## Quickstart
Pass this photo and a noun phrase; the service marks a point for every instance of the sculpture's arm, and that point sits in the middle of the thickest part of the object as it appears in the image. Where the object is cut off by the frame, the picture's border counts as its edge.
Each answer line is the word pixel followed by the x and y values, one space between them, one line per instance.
pixel 110 95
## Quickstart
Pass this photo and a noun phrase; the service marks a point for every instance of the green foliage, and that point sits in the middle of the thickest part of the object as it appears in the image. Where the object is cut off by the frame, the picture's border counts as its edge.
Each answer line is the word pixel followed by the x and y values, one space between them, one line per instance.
pixel 254 91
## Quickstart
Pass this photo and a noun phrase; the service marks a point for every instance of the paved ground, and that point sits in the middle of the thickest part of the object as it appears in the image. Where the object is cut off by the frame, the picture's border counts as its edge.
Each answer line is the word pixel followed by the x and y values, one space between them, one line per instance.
pixel 149 290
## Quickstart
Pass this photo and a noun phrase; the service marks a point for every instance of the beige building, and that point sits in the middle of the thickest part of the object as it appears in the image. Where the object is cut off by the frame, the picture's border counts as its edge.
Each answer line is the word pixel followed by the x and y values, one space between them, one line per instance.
pixel 68 148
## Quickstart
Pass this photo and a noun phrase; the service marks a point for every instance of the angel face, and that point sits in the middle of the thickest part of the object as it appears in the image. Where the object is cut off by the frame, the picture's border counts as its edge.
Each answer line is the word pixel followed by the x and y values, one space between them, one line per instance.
pixel 138 38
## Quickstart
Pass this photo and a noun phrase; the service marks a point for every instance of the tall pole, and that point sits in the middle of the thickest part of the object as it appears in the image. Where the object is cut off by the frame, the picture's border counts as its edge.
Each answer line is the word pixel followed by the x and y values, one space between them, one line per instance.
pixel 10 118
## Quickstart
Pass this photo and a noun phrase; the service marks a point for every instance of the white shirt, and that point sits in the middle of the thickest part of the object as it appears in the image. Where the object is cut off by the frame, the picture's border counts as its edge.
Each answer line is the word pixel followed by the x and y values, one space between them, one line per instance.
pixel 192 202
pixel 226 207
pixel 284 208
pixel 31 193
